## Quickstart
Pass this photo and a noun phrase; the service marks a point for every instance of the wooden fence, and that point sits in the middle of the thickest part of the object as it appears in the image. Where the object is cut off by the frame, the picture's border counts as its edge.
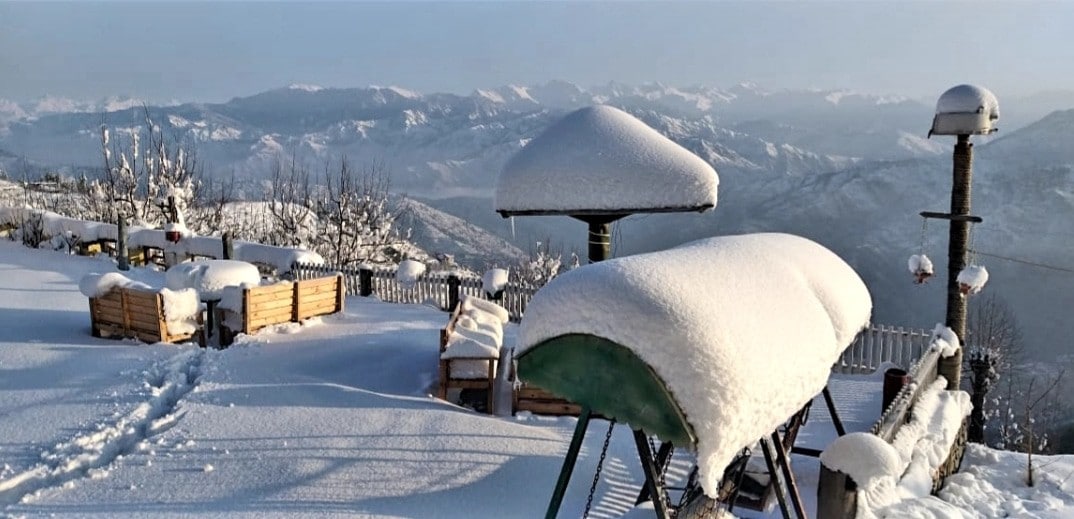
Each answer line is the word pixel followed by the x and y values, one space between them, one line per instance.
pixel 288 302
pixel 139 314
pixel 439 289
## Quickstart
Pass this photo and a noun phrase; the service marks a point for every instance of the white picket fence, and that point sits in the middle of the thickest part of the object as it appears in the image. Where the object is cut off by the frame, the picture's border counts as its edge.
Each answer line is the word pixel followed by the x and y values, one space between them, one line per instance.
pixel 878 344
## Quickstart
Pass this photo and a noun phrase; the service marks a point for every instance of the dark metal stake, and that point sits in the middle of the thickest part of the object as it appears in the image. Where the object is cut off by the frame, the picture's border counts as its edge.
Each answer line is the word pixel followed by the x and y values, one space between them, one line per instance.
pixel 568 463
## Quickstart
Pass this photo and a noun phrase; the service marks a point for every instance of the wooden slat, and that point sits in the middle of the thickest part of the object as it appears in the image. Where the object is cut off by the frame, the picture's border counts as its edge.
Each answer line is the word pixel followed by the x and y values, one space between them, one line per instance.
pixel 305 312
pixel 142 298
pixel 272 313
pixel 312 283
pixel 272 304
pixel 140 323
pixel 318 298
pixel 109 315
pixel 313 291
pixel 268 320
pixel 108 304
pixel 258 295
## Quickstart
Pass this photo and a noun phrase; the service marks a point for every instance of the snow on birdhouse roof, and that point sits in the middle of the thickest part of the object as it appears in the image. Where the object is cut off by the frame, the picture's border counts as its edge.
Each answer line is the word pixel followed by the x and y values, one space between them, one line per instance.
pixel 968 99
pixel 743 330
pixel 601 160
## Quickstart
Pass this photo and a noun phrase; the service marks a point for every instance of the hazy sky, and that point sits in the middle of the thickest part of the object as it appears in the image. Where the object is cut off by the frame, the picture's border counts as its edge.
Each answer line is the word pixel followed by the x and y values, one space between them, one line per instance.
pixel 210 51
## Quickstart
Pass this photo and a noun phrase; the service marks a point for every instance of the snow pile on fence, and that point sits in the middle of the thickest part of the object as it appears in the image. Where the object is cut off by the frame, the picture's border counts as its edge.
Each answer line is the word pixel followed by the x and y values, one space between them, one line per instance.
pixel 601 158
pixel 743 330
pixel 494 281
pixel 408 272
pixel 886 488
pixel 478 333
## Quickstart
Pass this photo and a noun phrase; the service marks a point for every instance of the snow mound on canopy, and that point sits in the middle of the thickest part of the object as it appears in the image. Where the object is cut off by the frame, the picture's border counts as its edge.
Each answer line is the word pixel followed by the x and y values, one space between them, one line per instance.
pixel 743 330
pixel 601 158
pixel 968 99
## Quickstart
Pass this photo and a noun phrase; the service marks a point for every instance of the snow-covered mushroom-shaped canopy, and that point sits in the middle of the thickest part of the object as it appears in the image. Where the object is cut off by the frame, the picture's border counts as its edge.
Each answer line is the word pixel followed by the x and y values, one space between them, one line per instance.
pixel 600 160
pixel 965 110
pixel 709 345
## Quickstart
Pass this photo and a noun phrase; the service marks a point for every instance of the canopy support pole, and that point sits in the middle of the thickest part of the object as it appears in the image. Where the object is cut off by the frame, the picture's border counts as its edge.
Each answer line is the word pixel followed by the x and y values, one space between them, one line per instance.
pixel 568 463
pixel 652 475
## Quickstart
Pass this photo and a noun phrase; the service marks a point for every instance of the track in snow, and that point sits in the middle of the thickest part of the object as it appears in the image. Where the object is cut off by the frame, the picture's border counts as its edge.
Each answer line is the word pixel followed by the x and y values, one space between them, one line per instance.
pixel 166 383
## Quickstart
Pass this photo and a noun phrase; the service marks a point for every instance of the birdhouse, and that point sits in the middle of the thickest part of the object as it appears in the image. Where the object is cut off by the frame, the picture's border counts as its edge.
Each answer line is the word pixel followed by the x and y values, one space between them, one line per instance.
pixel 965 110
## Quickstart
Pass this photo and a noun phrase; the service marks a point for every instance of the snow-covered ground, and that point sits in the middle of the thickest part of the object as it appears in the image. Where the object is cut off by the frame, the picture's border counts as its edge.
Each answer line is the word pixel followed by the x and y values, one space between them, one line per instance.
pixel 329 419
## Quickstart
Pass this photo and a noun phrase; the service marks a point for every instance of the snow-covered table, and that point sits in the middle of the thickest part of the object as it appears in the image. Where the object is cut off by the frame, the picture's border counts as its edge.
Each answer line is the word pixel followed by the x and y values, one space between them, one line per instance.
pixel 210 278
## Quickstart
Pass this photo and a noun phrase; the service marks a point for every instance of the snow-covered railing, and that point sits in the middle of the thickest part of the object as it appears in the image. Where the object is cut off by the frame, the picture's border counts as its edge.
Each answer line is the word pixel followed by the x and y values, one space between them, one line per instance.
pixel 917 442
pixel 442 289
pixel 879 344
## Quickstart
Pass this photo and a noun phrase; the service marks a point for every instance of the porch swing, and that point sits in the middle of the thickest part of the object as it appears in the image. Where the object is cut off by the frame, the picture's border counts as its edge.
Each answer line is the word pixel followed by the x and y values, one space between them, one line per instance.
pixel 689 367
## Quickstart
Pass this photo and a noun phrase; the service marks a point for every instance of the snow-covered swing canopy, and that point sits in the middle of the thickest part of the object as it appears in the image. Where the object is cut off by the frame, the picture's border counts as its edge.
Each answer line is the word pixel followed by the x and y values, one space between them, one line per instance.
pixel 599 164
pixel 709 345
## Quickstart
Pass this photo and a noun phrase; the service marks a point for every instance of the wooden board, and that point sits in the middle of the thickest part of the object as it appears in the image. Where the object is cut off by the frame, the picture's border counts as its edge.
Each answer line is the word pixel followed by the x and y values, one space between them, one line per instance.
pixel 271 304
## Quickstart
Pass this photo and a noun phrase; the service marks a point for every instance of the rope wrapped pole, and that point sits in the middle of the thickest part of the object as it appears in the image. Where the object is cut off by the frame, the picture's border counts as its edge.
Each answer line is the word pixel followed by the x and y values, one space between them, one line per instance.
pixel 962 177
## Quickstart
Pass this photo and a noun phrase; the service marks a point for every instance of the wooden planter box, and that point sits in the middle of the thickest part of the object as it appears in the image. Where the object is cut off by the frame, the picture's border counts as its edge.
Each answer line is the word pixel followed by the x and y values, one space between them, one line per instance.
pixel 138 314
pixel 286 302
pixel 446 378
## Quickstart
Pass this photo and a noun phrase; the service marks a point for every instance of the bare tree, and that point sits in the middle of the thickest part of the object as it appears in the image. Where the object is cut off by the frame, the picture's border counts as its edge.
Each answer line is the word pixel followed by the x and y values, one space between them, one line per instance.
pixel 1049 398
pixel 290 202
pixel 355 220
pixel 994 344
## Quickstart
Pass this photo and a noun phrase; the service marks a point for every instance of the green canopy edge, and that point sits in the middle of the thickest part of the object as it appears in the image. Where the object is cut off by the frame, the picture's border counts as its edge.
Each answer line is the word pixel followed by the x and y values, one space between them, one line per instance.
pixel 611 380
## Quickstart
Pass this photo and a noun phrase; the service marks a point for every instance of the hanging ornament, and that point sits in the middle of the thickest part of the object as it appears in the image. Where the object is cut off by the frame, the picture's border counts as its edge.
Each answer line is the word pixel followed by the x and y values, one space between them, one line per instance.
pixel 921 267
pixel 972 279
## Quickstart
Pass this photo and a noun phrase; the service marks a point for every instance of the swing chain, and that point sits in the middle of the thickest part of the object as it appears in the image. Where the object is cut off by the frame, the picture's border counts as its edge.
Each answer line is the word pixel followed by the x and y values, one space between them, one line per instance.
pixel 662 476
pixel 600 466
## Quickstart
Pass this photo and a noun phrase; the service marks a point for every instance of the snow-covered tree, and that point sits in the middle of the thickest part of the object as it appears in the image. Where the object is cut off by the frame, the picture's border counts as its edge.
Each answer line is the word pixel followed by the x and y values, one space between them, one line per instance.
pixel 994 345
pixel 356 223
pixel 543 264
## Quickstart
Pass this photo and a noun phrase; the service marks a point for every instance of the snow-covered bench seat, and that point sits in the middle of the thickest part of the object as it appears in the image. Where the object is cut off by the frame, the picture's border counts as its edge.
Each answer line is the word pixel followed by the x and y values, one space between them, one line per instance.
pixel 120 307
pixel 470 347
pixel 709 345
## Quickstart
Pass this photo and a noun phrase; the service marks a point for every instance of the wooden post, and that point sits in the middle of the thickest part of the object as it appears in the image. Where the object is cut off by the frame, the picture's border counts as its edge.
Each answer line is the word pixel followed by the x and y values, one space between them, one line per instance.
pixel 122 258
pixel 365 282
pixel 228 246
pixel 453 291
pixel 958 241
pixel 837 495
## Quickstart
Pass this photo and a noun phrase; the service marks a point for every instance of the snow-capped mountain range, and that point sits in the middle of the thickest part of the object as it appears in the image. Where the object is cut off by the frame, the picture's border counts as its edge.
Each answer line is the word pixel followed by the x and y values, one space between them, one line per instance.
pixel 850 170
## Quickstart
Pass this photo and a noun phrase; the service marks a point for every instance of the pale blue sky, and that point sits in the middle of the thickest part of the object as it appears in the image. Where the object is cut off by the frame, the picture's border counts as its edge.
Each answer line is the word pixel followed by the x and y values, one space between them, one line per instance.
pixel 211 51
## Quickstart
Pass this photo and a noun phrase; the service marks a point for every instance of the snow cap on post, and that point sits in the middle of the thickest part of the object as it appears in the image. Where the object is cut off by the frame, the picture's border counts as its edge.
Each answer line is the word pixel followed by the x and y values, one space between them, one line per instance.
pixel 965 110
pixel 601 160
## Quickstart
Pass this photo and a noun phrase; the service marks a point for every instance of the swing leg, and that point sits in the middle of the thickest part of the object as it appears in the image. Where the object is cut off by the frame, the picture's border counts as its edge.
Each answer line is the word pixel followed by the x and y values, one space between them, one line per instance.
pixel 788 476
pixel 568 463
pixel 651 475
pixel 662 458
pixel 774 475
pixel 836 421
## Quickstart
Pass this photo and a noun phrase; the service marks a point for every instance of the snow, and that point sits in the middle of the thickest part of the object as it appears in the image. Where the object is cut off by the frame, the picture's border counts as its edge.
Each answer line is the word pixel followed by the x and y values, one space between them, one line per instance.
pixel 920 263
pixel 945 340
pixel 470 303
pixel 181 310
pixel 494 280
pixel 409 271
pixel 973 278
pixel 968 99
pixel 601 158
pixel 863 456
pixel 210 277
pixel 98 285
pixel 336 421
pixel 703 315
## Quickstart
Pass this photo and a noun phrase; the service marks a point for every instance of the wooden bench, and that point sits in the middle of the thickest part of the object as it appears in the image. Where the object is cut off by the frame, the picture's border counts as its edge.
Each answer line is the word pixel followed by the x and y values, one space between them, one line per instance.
pixel 139 314
pixel 449 380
